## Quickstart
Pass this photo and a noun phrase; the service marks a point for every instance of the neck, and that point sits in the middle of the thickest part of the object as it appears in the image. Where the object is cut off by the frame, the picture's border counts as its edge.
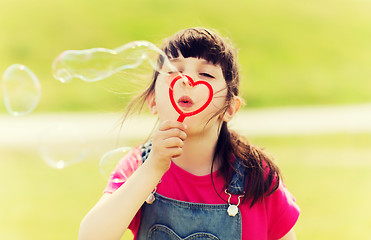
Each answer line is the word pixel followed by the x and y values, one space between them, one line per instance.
pixel 198 154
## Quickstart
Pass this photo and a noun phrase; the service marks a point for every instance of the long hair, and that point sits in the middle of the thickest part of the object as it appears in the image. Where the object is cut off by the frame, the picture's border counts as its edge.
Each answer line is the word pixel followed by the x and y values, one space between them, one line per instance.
pixel 202 43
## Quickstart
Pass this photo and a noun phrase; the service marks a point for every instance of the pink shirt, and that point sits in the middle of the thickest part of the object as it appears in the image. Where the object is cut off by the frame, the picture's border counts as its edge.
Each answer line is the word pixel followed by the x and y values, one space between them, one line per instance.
pixel 271 219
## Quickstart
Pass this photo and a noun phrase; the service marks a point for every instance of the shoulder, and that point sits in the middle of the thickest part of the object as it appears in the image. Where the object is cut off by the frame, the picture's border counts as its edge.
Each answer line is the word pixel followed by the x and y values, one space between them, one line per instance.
pixel 275 215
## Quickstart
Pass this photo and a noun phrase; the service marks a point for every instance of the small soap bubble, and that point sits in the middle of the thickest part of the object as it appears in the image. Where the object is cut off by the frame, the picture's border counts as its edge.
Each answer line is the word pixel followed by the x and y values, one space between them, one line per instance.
pixel 22 90
pixel 109 161
pixel 95 64
pixel 61 145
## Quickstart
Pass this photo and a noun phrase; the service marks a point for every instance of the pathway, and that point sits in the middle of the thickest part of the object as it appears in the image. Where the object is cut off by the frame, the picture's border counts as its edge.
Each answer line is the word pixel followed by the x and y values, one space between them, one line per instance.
pixel 18 131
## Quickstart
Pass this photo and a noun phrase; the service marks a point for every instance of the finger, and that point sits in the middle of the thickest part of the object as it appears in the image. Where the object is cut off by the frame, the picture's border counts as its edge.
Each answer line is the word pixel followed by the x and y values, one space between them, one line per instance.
pixel 174 132
pixel 173 142
pixel 168 124
pixel 176 152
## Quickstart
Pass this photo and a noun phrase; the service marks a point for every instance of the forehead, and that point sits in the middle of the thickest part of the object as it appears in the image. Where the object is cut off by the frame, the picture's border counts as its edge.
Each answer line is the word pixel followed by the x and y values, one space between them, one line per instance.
pixel 191 60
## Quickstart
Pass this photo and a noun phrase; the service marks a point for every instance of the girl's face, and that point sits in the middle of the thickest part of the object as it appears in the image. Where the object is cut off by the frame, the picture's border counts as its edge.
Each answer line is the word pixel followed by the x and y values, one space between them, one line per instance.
pixel 189 98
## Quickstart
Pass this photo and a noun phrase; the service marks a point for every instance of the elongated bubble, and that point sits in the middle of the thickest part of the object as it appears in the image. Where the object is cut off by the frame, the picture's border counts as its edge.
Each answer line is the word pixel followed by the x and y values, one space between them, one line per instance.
pixel 111 159
pixel 62 144
pixel 22 90
pixel 95 64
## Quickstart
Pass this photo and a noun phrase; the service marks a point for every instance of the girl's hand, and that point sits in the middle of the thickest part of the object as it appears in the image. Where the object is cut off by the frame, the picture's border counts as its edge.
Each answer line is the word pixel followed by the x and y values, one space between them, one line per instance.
pixel 167 142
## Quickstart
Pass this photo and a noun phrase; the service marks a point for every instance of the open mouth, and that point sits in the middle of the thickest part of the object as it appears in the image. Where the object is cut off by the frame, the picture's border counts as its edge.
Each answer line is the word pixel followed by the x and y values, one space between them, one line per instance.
pixel 185 102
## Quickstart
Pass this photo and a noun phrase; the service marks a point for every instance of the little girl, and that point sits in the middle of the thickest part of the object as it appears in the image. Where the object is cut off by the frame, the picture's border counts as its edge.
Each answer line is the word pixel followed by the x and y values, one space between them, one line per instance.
pixel 195 179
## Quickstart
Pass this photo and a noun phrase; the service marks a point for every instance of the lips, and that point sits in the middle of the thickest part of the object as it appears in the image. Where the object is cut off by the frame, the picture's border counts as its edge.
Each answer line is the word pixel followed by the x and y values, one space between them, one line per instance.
pixel 185 102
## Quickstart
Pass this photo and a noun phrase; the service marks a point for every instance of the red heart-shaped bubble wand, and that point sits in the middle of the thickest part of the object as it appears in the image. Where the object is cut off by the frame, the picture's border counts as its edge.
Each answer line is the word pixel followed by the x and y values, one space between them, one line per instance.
pixel 192 84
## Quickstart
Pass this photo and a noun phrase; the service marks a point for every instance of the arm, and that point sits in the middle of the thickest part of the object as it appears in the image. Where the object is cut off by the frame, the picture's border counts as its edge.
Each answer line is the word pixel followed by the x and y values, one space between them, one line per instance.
pixel 112 214
pixel 289 236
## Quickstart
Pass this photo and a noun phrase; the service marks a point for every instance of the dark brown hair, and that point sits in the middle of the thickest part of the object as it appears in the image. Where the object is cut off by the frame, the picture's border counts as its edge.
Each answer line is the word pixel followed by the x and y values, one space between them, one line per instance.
pixel 263 177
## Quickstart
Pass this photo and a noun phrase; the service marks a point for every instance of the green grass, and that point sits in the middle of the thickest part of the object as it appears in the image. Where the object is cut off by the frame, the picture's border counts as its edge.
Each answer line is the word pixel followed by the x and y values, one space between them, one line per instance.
pixel 328 174
pixel 291 52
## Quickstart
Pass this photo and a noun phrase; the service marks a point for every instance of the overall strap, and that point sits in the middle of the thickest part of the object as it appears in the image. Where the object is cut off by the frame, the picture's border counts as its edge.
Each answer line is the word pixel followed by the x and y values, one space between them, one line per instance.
pixel 239 178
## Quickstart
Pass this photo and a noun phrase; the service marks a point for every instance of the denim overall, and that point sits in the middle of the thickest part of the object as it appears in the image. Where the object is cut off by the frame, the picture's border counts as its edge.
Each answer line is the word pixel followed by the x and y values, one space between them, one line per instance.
pixel 169 219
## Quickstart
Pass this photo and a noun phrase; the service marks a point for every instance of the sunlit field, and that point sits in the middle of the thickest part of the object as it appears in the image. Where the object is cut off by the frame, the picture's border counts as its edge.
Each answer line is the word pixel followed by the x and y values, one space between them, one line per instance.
pixel 291 53
pixel 329 176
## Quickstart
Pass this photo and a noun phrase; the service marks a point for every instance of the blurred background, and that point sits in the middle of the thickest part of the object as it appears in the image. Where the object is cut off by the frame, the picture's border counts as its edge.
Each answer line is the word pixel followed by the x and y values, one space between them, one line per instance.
pixel 303 64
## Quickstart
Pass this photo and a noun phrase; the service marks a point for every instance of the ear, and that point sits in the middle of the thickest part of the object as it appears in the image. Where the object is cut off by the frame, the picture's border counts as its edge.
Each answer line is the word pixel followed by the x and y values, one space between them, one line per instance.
pixel 232 109
pixel 151 102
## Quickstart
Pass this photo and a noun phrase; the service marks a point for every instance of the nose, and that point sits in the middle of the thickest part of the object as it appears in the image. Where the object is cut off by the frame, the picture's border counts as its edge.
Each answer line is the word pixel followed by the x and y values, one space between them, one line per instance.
pixel 186 80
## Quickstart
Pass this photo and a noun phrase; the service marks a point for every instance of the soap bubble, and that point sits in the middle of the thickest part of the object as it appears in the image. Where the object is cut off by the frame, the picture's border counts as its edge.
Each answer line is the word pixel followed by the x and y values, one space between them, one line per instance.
pixel 61 145
pixel 22 90
pixel 109 161
pixel 95 64
pixel 133 60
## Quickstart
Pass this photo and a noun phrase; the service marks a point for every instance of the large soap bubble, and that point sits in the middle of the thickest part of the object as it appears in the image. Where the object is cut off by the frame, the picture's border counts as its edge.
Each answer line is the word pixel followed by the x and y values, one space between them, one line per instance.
pixel 22 90
pixel 95 64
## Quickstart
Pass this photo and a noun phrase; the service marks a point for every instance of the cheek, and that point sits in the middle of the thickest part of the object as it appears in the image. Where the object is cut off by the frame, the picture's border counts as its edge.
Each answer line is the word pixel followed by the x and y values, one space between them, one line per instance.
pixel 220 98
pixel 161 85
pixel 162 98
pixel 167 78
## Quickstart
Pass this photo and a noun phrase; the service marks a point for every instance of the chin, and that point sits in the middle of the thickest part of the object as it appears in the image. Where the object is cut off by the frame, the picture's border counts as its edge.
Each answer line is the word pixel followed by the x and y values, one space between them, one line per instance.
pixel 195 126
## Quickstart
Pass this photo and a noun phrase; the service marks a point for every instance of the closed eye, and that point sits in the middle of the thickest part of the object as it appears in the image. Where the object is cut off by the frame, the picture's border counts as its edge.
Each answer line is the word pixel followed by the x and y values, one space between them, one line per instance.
pixel 207 75
pixel 172 72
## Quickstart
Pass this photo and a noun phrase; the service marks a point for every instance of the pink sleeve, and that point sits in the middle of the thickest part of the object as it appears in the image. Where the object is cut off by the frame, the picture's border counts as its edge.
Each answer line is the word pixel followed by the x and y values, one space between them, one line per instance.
pixel 283 212
pixel 124 169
